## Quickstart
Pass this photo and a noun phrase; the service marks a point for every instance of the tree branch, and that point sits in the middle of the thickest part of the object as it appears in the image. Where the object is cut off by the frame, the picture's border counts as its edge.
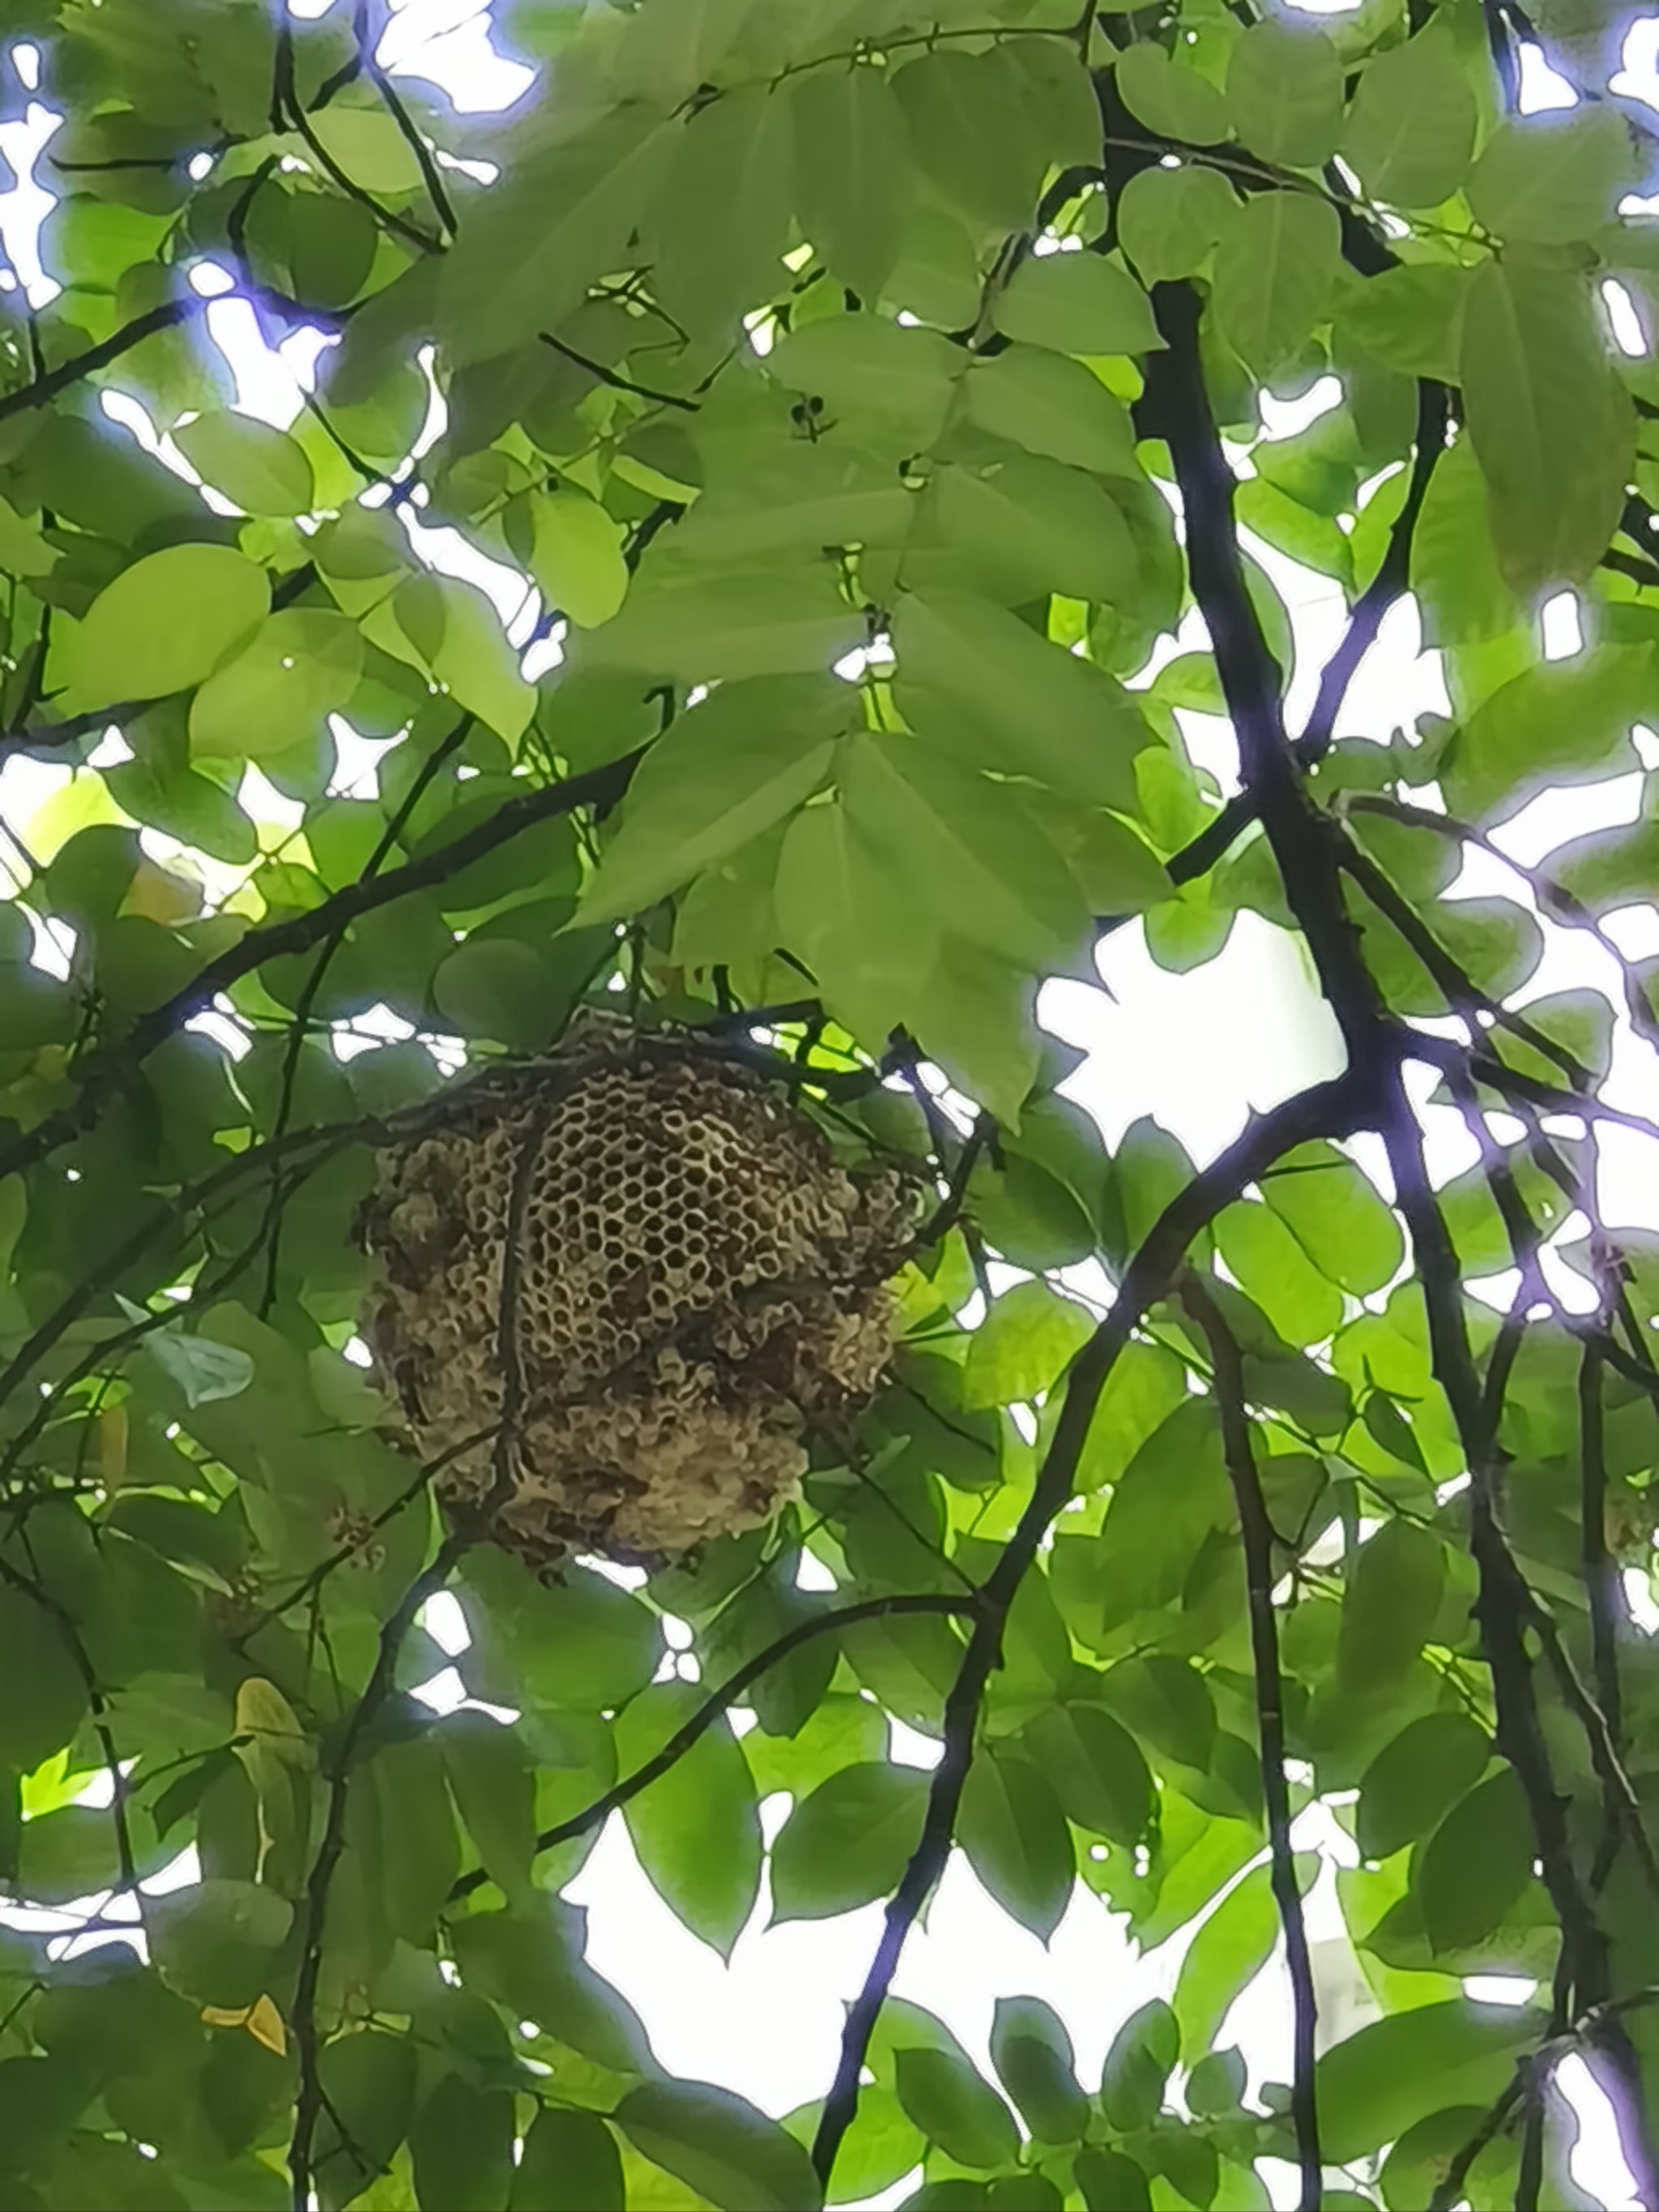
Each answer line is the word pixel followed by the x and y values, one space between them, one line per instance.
pixel 717 1703
pixel 1327 1110
pixel 1257 1532
pixel 598 785
pixel 1392 577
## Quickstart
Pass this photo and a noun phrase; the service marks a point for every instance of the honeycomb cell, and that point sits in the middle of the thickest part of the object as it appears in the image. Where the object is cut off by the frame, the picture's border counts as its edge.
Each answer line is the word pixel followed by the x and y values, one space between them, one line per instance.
pixel 697 1281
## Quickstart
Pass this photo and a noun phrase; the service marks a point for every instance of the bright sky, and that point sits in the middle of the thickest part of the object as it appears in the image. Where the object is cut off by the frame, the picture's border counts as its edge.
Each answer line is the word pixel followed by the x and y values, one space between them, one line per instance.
pixel 1198 1052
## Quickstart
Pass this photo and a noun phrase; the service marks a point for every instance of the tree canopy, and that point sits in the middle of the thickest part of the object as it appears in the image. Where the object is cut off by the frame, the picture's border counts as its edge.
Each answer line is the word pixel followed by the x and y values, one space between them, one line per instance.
pixel 864 390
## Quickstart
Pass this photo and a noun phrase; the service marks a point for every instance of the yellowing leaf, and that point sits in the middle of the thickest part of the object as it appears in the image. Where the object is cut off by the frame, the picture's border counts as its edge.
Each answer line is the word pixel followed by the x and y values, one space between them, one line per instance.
pixel 261 2019
pixel 165 624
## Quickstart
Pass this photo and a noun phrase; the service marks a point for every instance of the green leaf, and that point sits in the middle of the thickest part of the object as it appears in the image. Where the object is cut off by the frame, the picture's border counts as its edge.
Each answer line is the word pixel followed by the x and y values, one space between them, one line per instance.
pixel 1023 1345
pixel 259 468
pixel 1563 722
pixel 215 1942
pixel 1016 1840
pixel 1228 1951
pixel 1170 97
pixel 696 1829
pixel 450 630
pixel 984 868
pixel 1412 317
pixel 1389 2075
pixel 798 498
pixel 1167 1705
pixel 1475 1864
pixel 748 755
pixel 531 1962
pixel 1551 427
pixel 1411 130
pixel 1270 1266
pixel 580 1643
pixel 1051 405
pixel 1032 2053
pixel 528 251
pixel 1024 526
pixel 1096 1768
pixel 1142 2056
pixel 720 218
pixel 462 2142
pixel 872 370
pixel 1076 303
pixel 576 556
pixel 1111 2181
pixel 1392 1600
pixel 680 623
pixel 854 175
pixel 48 1696
pixel 847 1841
pixel 973 133
pixel 165 624
pixel 718 2144
pixel 1337 1216
pixel 369 2101
pixel 494 1792
pixel 1285 89
pixel 1454 572
pixel 1169 219
pixel 367 145
pixel 954 2108
pixel 570 2164
pixel 1022 706
pixel 1274 269
pixel 1550 179
pixel 300 665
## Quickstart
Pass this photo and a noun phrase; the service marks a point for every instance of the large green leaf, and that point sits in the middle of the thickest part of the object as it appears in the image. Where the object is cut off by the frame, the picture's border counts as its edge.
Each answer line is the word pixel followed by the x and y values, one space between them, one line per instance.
pixel 1476 1864
pixel 165 624
pixel 1168 220
pixel 682 622
pixel 974 132
pixel 696 1829
pixel 1039 399
pixel 853 178
pixel 1016 1840
pixel 527 254
pixel 847 1841
pixel 1032 2053
pixel 1076 303
pixel 1378 2083
pixel 1392 1600
pixel 985 868
pixel 300 666
pixel 1274 268
pixel 1022 706
pixel 719 2145
pixel 728 770
pixel 570 2164
pixel 1566 721
pixel 718 218
pixel 1551 428
pixel 1548 179
pixel 1228 1951
pixel 1169 97
pixel 1411 130
pixel 1027 1340
pixel 954 2108
pixel 1285 89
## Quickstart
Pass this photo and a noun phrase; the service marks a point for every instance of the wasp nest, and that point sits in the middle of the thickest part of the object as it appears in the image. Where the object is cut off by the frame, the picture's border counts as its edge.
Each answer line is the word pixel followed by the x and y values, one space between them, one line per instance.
pixel 693 1278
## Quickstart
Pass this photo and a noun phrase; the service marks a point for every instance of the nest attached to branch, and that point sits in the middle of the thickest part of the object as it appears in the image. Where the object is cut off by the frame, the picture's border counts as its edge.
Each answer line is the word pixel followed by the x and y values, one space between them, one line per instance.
pixel 696 1279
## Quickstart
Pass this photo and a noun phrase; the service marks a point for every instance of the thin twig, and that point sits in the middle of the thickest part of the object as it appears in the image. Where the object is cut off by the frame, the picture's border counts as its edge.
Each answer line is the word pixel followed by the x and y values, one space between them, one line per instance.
pixel 1257 1532
pixel 717 1703
pixel 1326 1110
